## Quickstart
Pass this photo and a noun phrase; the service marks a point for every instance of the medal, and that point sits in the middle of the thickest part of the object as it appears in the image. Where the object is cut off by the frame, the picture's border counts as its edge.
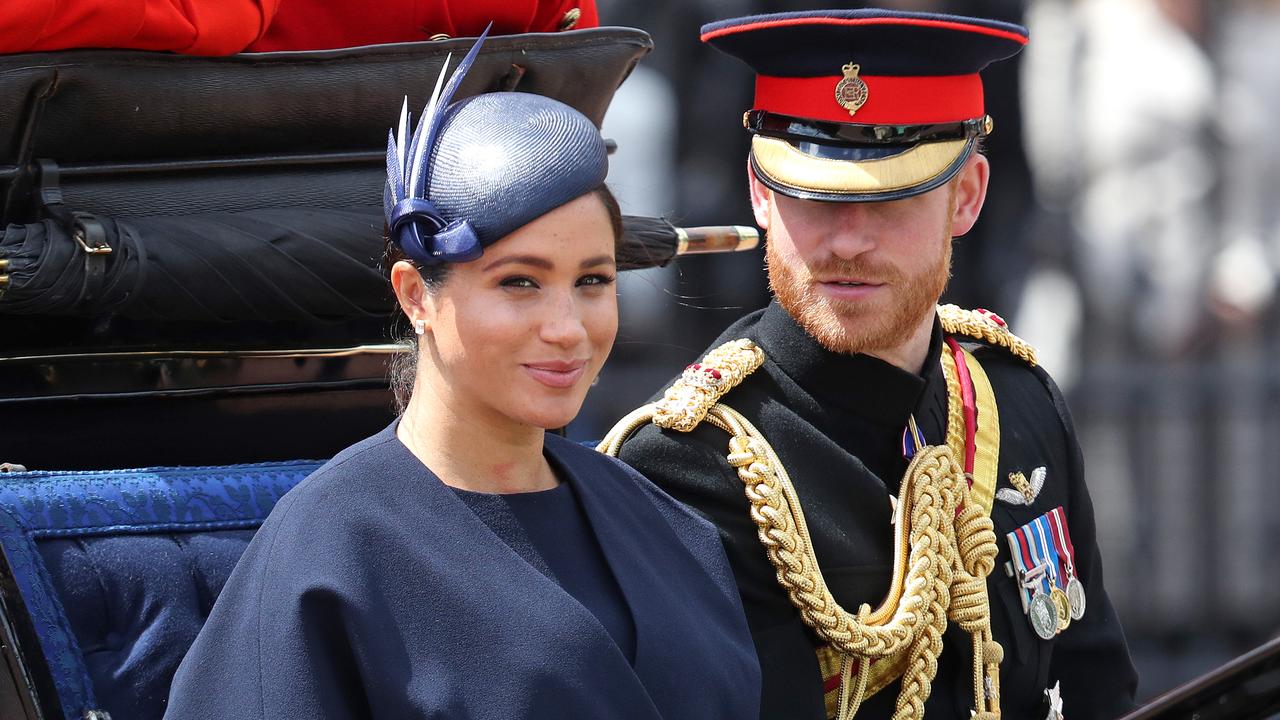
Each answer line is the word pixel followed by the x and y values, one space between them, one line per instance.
pixel 1063 606
pixel 1043 615
pixel 1045 548
pixel 1041 555
pixel 1066 552
pixel 1075 597
pixel 1033 574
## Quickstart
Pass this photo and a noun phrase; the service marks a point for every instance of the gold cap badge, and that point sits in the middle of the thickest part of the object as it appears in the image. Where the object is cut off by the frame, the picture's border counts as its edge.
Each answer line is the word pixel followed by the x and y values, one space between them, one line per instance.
pixel 851 91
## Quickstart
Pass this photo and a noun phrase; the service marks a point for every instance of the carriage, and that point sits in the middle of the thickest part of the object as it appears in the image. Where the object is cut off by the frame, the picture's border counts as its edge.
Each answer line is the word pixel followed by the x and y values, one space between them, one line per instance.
pixel 193 319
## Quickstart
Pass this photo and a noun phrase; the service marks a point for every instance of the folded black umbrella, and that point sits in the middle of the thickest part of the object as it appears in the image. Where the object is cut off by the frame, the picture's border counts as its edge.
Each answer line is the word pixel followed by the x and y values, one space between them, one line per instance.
pixel 271 264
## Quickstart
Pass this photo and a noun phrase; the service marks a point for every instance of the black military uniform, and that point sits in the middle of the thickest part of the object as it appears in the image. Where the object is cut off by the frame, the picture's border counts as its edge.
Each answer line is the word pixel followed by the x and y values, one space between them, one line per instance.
pixel 840 423
pixel 836 422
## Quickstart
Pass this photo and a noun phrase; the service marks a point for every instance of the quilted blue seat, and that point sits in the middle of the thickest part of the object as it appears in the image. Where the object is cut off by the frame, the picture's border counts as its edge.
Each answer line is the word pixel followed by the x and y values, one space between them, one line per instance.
pixel 119 569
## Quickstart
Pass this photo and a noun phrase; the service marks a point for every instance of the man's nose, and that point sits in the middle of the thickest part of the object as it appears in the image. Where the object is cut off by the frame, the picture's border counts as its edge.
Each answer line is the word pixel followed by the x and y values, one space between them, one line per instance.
pixel 851 231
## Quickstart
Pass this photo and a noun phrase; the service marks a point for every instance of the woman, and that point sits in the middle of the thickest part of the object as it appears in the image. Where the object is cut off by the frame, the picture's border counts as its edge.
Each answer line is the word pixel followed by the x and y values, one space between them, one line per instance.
pixel 464 563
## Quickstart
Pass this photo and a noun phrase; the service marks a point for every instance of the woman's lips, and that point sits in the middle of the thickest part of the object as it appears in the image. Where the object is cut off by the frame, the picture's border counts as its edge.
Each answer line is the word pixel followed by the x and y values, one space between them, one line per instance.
pixel 556 374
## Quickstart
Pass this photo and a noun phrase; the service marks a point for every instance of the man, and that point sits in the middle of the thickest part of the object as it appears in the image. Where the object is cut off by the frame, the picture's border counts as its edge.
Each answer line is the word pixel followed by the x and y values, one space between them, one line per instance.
pixel 965 580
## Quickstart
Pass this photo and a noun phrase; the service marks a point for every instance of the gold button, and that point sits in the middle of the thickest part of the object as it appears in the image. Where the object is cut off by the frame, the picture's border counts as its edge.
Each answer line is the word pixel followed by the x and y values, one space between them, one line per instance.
pixel 570 19
pixel 439 36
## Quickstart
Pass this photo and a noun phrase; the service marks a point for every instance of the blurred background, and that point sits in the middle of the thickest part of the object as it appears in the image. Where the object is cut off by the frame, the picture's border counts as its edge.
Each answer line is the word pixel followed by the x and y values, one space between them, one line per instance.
pixel 1131 233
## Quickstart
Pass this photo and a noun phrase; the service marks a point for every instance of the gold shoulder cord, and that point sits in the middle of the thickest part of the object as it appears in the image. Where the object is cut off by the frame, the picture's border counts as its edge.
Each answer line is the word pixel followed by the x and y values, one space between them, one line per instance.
pixel 985 326
pixel 944 547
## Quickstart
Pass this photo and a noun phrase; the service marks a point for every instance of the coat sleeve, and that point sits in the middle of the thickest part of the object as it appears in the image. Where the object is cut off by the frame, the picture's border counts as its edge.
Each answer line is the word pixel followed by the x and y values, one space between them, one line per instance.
pixel 191 27
pixel 1091 659
pixel 277 643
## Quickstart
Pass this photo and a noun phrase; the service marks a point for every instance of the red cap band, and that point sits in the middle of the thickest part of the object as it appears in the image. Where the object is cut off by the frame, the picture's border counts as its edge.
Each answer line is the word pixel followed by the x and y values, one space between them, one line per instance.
pixel 918 100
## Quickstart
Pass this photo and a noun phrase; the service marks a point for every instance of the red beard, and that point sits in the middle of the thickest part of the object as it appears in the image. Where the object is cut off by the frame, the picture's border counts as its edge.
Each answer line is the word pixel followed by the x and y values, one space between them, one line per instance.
pixel 852 326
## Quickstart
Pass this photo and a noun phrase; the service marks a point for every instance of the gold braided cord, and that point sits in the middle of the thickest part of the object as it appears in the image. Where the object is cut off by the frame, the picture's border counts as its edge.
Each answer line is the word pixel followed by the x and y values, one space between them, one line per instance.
pixel 976 539
pixel 980 326
pixel 782 529
pixel 942 555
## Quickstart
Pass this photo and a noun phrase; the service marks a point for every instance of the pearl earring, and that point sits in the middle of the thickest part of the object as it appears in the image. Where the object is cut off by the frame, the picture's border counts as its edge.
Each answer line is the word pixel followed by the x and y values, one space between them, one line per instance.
pixel 419 326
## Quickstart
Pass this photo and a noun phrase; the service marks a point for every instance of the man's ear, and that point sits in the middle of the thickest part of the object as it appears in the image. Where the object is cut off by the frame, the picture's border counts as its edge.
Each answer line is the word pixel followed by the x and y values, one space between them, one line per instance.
pixel 411 292
pixel 761 198
pixel 970 193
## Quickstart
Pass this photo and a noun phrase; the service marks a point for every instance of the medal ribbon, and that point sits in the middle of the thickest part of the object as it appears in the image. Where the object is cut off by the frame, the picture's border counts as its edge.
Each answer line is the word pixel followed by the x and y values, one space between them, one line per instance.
pixel 912 439
pixel 1062 541
pixel 1038 561
pixel 1043 537
pixel 1026 569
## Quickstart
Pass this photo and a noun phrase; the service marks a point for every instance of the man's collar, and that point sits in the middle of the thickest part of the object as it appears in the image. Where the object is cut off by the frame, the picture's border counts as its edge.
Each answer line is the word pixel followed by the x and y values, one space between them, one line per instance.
pixel 861 384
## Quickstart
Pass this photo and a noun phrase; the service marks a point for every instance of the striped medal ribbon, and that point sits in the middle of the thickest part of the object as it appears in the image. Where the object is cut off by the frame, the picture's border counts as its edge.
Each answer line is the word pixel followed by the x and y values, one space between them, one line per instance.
pixel 1066 552
pixel 912 439
pixel 1042 532
pixel 1033 573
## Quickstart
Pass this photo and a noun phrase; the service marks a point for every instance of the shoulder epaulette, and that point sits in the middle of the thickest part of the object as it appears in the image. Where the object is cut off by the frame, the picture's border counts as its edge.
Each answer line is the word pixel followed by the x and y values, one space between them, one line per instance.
pixel 702 384
pixel 986 326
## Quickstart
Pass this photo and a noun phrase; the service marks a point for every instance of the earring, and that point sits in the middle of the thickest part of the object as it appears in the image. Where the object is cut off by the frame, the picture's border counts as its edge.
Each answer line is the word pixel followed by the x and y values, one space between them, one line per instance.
pixel 419 327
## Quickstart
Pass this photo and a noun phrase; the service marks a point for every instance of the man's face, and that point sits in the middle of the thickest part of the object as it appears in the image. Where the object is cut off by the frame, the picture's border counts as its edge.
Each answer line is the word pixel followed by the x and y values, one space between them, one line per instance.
pixel 859 277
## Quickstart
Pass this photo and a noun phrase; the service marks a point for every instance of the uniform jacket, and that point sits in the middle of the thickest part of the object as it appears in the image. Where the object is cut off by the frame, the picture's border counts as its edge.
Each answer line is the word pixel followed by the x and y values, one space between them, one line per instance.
pixel 372 591
pixel 836 422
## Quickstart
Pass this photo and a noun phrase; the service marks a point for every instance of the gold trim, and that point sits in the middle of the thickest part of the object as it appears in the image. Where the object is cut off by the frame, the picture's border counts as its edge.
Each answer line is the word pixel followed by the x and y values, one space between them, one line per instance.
pixel 782 162
pixel 986 459
pixel 702 384
pixel 980 326
pixel 382 349
pixel 880 674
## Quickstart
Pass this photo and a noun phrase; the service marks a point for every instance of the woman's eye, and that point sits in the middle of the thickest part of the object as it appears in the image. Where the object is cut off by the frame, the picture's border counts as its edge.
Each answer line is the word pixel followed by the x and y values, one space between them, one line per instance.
pixel 597 279
pixel 518 281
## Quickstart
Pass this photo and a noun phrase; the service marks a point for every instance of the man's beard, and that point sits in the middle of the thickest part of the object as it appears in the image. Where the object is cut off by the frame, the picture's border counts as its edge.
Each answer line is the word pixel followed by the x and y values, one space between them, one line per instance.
pixel 851 326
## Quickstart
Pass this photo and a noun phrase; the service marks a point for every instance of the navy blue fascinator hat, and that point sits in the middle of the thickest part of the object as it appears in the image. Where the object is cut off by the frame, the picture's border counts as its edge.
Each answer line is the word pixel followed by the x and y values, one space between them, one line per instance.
pixel 478 169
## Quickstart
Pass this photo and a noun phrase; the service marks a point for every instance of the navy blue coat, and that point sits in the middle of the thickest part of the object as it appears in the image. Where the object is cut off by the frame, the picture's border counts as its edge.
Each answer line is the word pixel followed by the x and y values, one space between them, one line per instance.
pixel 373 591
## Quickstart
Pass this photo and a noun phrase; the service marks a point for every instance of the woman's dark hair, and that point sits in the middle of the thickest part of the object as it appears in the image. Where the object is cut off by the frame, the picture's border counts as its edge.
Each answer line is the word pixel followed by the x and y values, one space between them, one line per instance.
pixel 403 366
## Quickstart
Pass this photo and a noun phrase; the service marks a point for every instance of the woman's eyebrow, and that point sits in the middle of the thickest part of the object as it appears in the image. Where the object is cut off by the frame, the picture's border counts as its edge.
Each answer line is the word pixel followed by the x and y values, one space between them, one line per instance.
pixel 532 260
pixel 545 264
pixel 597 260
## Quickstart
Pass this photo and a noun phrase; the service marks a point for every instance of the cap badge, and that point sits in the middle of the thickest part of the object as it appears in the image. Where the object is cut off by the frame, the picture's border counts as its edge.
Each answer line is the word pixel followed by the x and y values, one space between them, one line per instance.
pixel 851 91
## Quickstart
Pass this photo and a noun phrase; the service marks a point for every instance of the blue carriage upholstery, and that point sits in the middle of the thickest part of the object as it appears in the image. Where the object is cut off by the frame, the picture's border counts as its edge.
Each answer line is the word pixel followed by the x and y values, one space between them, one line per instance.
pixel 119 569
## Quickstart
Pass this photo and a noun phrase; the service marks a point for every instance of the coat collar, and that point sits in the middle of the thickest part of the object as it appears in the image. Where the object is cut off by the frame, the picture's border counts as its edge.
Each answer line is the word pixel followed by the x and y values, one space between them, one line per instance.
pixel 860 384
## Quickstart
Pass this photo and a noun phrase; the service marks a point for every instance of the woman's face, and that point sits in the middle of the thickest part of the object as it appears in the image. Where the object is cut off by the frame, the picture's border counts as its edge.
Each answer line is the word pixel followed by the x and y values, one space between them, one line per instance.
pixel 518 336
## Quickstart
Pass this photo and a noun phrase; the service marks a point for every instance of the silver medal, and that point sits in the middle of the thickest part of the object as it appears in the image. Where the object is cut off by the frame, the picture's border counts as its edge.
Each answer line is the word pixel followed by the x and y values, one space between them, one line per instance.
pixel 1075 596
pixel 1043 616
